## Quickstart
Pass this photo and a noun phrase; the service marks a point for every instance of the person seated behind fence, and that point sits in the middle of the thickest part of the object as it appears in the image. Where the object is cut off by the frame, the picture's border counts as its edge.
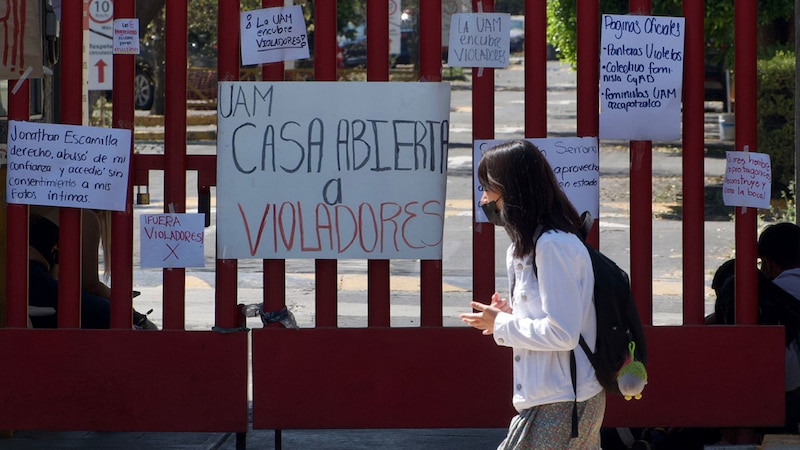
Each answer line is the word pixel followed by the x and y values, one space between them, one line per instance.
pixel 778 301
pixel 43 284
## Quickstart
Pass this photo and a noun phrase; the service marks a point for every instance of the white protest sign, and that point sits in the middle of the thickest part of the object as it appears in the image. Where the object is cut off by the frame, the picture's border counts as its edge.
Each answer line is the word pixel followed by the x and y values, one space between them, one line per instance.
pixel 479 40
pixel 273 34
pixel 126 36
pixel 172 240
pixel 68 165
pixel 332 170
pixel 748 180
pixel 641 75
pixel 574 160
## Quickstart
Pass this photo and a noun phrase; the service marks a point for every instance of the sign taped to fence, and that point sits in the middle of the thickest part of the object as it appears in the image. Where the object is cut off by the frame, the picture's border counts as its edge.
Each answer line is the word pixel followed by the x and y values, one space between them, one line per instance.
pixel 479 40
pixel 68 165
pixel 748 180
pixel 575 161
pixel 299 175
pixel 641 76
pixel 273 34
pixel 172 240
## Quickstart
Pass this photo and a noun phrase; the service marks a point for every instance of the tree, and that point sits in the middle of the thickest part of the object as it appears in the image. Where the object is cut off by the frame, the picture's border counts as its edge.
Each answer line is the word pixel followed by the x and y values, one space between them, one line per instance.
pixel 774 15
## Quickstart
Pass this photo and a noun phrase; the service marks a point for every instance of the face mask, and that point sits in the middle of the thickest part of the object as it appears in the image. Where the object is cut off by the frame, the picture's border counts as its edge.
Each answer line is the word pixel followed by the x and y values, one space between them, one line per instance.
pixel 493 213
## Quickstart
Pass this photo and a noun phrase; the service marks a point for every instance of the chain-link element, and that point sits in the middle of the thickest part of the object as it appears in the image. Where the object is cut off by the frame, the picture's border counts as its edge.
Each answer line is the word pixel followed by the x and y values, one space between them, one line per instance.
pixel 284 316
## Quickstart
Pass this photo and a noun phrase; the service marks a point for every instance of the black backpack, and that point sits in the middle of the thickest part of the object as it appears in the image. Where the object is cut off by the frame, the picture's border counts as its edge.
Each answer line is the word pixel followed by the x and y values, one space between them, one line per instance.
pixel 618 323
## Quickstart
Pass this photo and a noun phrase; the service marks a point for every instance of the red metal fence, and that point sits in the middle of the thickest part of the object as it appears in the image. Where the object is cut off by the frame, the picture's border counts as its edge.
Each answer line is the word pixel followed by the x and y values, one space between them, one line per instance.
pixel 378 376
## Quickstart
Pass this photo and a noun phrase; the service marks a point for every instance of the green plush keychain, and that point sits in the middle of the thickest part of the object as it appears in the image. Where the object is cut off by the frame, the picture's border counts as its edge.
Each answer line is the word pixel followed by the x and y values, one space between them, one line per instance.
pixel 632 377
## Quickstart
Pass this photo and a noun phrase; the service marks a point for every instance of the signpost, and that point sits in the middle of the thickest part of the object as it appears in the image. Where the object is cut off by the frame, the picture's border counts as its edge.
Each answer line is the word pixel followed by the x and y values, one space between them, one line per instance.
pixel 101 44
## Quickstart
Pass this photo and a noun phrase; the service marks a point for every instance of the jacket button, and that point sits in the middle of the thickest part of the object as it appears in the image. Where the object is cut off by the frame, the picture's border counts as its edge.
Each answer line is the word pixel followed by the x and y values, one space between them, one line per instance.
pixel 501 340
pixel 524 298
pixel 517 358
pixel 519 387
pixel 519 266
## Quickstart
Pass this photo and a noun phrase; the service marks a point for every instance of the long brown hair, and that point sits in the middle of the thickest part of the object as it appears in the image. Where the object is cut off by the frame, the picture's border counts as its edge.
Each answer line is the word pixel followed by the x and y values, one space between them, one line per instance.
pixel 519 172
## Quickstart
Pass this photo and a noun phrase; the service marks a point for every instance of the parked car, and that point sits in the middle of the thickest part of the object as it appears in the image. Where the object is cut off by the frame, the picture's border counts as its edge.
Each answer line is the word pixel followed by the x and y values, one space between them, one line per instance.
pixel 144 86
pixel 517 32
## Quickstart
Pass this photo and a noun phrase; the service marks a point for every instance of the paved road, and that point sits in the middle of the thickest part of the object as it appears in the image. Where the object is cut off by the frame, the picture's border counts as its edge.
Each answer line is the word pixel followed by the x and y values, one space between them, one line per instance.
pixel 457 251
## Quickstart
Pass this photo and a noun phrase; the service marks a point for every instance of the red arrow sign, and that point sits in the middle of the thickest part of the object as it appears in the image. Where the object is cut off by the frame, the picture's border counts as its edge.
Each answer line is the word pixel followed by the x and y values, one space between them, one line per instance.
pixel 101 73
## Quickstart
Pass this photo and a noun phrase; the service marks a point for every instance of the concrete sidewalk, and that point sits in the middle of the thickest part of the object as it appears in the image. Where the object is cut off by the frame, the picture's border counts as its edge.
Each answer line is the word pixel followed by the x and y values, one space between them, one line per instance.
pixel 455 439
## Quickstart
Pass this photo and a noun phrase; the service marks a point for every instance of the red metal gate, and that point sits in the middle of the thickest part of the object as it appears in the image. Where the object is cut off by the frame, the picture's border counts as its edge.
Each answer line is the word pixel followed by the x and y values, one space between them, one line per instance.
pixel 378 376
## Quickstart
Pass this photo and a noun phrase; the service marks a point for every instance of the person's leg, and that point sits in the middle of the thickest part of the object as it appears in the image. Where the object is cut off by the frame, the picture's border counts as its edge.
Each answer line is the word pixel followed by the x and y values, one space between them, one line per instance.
pixel 95 311
pixel 42 292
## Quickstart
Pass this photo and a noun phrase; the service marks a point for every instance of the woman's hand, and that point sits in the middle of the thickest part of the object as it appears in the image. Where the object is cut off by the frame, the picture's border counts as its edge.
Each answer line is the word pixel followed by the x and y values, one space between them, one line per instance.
pixel 483 319
pixel 501 303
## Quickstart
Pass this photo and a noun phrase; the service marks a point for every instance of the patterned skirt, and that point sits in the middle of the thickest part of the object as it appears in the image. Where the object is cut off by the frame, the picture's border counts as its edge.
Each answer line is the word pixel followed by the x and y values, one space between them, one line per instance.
pixel 547 427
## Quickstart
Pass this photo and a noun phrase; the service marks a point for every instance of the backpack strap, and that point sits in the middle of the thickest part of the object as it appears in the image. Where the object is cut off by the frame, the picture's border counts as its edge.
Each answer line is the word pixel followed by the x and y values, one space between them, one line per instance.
pixel 573 374
pixel 588 351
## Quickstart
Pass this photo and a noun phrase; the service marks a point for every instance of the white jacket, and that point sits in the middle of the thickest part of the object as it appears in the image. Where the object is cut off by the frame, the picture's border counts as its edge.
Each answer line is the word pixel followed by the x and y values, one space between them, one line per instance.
pixel 549 315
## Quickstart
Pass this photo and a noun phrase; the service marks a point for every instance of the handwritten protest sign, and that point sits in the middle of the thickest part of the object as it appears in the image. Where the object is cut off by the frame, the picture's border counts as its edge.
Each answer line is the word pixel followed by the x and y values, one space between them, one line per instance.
pixel 273 34
pixel 172 240
pixel 575 161
pixel 748 180
pixel 641 71
pixel 126 36
pixel 20 40
pixel 332 170
pixel 68 165
pixel 479 40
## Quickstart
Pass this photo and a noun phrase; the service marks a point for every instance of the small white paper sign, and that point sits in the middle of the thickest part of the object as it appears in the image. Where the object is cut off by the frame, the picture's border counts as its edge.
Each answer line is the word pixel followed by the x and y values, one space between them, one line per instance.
pixel 575 161
pixel 641 77
pixel 748 180
pixel 273 34
pixel 126 36
pixel 68 165
pixel 479 40
pixel 172 240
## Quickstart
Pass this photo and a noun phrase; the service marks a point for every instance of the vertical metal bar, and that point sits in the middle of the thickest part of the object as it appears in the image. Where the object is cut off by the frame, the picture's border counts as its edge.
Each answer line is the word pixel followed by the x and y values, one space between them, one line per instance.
pixel 122 221
pixel 483 128
pixel 69 230
pixel 226 312
pixel 693 155
pixel 535 68
pixel 641 181
pixel 17 238
pixel 325 49
pixel 378 270
pixel 588 90
pixel 274 277
pixel 176 26
pixel 430 63
pixel 746 138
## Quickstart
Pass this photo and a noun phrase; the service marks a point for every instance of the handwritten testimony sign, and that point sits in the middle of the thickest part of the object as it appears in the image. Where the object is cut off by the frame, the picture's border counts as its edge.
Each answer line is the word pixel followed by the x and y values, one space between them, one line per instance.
pixel 575 162
pixel 641 74
pixel 332 170
pixel 68 165
pixel 126 36
pixel 172 240
pixel 748 180
pixel 273 34
pixel 479 40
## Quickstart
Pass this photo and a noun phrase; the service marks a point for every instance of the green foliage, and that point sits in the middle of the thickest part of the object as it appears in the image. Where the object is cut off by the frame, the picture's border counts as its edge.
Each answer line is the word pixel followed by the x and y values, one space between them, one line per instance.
pixel 776 117
pixel 719 20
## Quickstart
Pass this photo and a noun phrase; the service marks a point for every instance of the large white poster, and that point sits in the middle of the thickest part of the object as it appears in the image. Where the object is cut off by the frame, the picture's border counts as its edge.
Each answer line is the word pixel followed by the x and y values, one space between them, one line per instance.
pixel 641 76
pixel 332 170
